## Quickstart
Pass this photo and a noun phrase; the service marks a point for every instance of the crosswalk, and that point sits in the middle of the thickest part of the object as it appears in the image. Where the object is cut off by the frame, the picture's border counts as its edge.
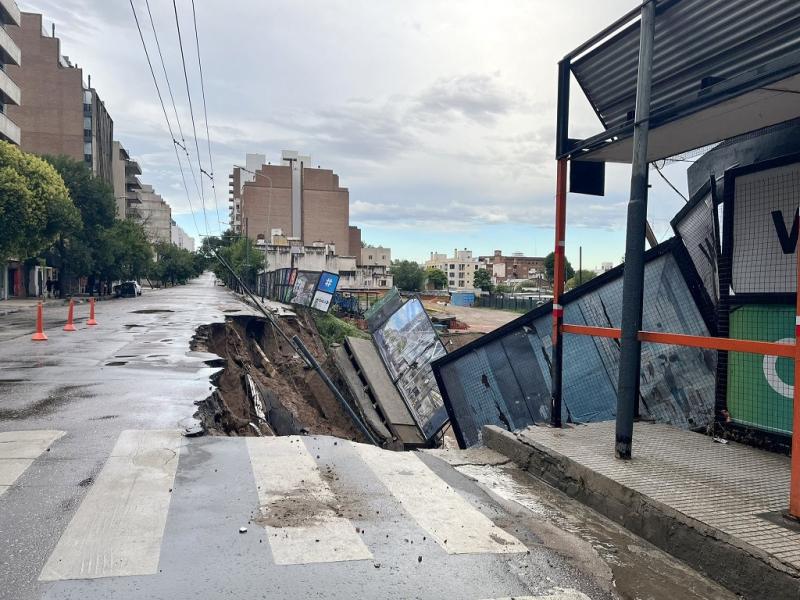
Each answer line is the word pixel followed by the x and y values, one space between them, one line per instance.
pixel 119 527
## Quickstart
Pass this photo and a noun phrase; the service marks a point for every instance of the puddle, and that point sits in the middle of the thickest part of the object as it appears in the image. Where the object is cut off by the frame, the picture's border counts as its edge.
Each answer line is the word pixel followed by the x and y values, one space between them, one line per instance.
pixel 117 363
pixel 151 311
pixel 132 325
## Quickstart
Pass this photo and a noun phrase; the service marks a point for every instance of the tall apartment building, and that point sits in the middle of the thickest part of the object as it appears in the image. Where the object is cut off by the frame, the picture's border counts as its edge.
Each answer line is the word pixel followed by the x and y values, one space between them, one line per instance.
pixel 181 239
pixel 126 182
pixel 62 114
pixel 459 268
pixel 517 266
pixel 305 203
pixel 155 215
pixel 10 56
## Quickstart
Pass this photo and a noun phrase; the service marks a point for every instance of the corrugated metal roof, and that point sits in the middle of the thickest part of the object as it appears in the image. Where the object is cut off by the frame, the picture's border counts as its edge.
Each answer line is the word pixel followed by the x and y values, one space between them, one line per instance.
pixel 694 39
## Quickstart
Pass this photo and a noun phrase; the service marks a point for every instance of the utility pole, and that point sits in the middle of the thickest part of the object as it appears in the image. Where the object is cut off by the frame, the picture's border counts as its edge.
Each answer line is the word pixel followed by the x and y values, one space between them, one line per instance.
pixel 633 277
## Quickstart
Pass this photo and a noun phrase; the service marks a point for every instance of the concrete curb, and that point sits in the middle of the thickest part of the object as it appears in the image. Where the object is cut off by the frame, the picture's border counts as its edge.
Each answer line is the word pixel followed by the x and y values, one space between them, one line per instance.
pixel 734 564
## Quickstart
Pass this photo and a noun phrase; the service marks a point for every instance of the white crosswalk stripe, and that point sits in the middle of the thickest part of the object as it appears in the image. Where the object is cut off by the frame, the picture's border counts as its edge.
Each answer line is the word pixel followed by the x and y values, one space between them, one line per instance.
pixel 455 524
pixel 118 527
pixel 18 450
pixel 297 506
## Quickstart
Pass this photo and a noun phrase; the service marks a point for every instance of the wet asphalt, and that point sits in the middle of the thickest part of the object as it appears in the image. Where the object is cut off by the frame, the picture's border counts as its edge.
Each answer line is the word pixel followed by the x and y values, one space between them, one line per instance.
pixel 135 371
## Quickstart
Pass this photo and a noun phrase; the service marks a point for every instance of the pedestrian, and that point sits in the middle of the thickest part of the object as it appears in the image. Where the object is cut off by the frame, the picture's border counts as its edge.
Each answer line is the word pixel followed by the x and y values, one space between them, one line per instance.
pixel 57 288
pixel 49 286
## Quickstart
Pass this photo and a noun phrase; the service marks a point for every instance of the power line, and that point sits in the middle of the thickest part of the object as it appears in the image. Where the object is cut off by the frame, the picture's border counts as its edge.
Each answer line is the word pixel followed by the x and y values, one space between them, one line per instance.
pixel 191 111
pixel 166 117
pixel 182 143
pixel 205 114
pixel 669 183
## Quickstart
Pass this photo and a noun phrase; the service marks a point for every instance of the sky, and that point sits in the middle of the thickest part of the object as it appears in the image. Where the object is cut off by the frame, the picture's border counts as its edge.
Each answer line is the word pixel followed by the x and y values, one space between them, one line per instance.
pixel 439 117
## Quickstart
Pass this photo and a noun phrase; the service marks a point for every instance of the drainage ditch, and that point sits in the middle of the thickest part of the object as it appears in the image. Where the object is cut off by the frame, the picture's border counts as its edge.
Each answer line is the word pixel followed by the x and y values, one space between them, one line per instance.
pixel 264 387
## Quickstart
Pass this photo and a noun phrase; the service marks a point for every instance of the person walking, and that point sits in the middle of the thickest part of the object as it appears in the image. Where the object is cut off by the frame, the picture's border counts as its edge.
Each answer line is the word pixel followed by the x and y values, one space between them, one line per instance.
pixel 49 286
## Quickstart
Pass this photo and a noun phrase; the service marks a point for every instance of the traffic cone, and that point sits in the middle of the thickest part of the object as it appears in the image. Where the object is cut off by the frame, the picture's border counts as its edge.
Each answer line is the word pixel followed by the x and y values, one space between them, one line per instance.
pixel 39 336
pixel 70 326
pixel 91 320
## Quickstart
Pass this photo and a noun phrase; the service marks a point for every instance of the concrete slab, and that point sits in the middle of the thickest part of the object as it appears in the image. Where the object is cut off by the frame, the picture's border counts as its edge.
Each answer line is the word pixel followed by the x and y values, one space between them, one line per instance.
pixel 712 505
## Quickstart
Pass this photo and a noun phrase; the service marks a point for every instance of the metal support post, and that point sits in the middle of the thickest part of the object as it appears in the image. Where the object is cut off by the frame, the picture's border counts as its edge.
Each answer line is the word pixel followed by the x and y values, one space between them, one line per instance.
pixel 794 486
pixel 633 278
pixel 558 290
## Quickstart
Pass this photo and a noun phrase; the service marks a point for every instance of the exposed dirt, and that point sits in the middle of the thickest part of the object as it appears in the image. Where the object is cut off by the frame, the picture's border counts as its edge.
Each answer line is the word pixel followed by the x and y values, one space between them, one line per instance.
pixel 265 388
pixel 453 341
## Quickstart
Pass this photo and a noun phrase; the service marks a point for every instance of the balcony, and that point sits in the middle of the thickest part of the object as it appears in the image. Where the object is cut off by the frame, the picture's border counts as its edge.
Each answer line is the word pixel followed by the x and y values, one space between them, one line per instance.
pixel 9 130
pixel 9 12
pixel 9 51
pixel 9 91
pixel 132 167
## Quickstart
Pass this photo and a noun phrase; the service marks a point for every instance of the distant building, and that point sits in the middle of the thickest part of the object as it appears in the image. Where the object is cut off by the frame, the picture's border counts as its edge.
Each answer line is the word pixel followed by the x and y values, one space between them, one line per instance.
pixel 459 268
pixel 304 202
pixel 517 266
pixel 10 94
pixel 181 239
pixel 375 256
pixel 604 267
pixel 155 215
pixel 125 172
pixel 60 114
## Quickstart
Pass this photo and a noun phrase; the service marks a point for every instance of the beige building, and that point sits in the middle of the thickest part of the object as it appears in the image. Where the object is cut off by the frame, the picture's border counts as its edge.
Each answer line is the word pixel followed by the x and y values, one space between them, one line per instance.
pixel 155 214
pixel 459 268
pixel 10 93
pixel 306 203
pixel 181 239
pixel 376 256
pixel 126 182
pixel 61 115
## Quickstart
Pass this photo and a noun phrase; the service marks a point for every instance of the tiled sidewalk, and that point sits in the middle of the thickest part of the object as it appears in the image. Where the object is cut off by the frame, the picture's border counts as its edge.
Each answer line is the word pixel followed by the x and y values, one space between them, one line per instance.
pixel 729 487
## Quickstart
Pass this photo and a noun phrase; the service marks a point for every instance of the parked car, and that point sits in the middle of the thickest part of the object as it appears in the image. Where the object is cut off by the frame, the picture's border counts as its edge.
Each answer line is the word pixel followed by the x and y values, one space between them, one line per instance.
pixel 128 289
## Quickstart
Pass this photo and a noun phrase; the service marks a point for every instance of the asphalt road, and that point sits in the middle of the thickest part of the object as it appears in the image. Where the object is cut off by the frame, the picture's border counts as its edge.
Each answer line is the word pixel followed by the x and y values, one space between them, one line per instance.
pixel 101 496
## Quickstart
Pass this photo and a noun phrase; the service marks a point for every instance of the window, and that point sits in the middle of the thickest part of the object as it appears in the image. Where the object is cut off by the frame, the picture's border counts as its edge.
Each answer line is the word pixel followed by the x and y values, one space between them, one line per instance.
pixel 452 266
pixel 460 283
pixel 383 283
pixel 452 282
pixel 87 148
pixel 87 123
pixel 370 257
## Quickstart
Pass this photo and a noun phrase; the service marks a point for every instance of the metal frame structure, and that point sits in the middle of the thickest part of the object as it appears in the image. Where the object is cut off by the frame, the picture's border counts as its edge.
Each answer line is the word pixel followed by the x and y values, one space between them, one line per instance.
pixel 713 92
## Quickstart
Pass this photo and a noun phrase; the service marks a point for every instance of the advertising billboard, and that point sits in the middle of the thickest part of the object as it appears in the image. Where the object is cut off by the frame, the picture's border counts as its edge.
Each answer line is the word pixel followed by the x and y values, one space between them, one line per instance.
pixel 760 388
pixel 304 287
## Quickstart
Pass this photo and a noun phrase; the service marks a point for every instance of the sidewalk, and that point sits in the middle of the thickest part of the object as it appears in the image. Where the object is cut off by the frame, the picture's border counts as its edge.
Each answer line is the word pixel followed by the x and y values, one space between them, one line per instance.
pixel 717 507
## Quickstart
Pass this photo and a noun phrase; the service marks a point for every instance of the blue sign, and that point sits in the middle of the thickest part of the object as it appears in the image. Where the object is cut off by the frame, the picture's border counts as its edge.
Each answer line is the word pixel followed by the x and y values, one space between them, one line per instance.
pixel 328 282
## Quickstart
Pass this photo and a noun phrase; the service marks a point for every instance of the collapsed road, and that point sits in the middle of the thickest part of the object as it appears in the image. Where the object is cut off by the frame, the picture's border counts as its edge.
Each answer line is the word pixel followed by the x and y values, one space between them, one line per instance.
pixel 102 495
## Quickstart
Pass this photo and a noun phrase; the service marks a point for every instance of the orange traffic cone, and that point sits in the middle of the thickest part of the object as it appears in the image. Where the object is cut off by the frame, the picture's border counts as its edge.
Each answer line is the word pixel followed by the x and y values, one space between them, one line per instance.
pixel 91 320
pixel 70 326
pixel 39 336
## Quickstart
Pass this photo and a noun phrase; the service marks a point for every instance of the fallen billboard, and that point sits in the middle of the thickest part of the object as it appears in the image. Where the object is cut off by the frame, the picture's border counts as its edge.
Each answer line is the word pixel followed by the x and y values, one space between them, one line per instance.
pixel 503 378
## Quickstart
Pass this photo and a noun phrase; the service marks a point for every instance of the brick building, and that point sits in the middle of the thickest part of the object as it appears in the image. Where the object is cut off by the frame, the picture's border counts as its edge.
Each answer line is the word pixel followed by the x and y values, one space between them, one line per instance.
pixel 303 202
pixel 516 266
pixel 59 114
pixel 10 56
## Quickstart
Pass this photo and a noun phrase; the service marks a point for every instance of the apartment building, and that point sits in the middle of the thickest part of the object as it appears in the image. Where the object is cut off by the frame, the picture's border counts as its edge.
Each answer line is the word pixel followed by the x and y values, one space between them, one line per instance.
pixel 125 175
pixel 517 266
pixel 155 214
pixel 459 268
pixel 181 239
pixel 63 115
pixel 10 56
pixel 305 202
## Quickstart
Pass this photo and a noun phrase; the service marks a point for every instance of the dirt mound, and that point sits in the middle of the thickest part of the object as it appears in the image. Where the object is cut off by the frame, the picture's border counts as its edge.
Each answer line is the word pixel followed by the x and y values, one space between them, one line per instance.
pixel 265 388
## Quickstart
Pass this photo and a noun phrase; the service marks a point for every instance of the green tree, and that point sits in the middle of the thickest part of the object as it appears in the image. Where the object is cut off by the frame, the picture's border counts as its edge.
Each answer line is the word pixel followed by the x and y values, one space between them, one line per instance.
pixel 549 265
pixel 243 257
pixel 35 205
pixel 436 277
pixel 579 278
pixel 126 253
pixel 173 265
pixel 483 280
pixel 408 275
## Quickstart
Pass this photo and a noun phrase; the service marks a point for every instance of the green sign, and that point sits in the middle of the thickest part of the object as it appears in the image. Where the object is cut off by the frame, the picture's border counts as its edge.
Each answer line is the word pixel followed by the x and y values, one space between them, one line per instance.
pixel 761 388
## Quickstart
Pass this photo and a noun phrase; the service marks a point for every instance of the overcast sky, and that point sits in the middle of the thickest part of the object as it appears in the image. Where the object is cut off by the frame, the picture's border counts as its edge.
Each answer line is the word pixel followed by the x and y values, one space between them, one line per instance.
pixel 438 116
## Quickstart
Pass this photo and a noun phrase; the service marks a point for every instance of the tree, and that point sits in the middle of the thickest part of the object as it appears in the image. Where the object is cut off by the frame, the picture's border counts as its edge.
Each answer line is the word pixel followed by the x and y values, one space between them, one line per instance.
pixel 408 275
pixel 579 278
pixel 483 280
pixel 126 253
pixel 549 265
pixel 436 277
pixel 243 257
pixel 35 205
pixel 173 265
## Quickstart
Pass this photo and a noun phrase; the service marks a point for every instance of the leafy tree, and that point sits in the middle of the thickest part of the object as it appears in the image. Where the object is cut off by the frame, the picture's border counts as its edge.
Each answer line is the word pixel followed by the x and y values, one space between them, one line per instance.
pixel 408 275
pixel 35 206
pixel 483 280
pixel 243 257
pixel 126 253
pixel 549 265
pixel 174 265
pixel 436 277
pixel 580 278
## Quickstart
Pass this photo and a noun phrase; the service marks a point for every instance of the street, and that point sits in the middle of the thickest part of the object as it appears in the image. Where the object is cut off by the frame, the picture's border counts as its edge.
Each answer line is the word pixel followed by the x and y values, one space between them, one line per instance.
pixel 102 496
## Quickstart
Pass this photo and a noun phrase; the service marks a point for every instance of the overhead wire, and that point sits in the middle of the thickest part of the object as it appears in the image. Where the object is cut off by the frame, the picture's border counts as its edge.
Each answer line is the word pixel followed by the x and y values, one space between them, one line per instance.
pixel 205 115
pixel 182 143
pixel 191 110
pixel 166 116
pixel 669 183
